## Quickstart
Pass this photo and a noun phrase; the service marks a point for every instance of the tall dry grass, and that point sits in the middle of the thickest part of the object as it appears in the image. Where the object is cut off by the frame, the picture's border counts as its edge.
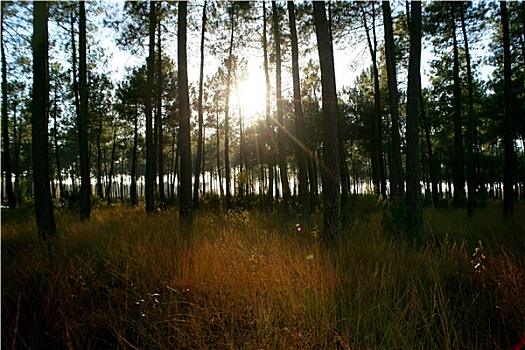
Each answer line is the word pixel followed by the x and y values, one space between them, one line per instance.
pixel 249 280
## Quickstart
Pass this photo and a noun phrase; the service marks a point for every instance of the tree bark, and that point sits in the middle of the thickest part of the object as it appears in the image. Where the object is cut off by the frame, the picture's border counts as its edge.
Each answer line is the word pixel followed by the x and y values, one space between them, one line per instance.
pixel 6 155
pixel 471 134
pixel 200 115
pixel 269 124
pixel 377 154
pixel 459 173
pixel 133 186
pixel 227 113
pixel 45 219
pixel 112 164
pixel 158 123
pixel 413 192
pixel 85 176
pixel 281 135
pixel 185 193
pixel 150 147
pixel 99 191
pixel 301 148
pixel 508 123
pixel 431 159
pixel 330 169
pixel 397 187
pixel 55 139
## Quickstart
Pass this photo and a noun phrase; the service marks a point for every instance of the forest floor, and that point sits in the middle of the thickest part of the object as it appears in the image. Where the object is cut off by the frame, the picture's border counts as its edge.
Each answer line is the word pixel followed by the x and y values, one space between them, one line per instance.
pixel 252 280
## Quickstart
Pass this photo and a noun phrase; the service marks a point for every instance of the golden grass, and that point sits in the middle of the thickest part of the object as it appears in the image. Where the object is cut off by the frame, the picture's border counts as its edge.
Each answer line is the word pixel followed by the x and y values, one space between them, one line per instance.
pixel 249 280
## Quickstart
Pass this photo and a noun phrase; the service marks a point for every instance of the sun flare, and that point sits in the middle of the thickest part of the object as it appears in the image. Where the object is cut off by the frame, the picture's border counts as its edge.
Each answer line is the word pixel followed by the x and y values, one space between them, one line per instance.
pixel 251 97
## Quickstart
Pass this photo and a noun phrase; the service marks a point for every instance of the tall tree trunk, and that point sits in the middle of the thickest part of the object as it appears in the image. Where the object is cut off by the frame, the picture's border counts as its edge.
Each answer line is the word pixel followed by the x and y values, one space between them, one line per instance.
pixel 227 115
pixel 397 187
pixel 377 157
pixel 45 219
pixel 508 123
pixel 344 176
pixel 17 150
pixel 100 193
pixel 218 153
pixel 330 169
pixel 159 124
pixel 269 124
pixel 112 164
pixel 85 176
pixel 6 155
pixel 150 147
pixel 133 186
pixel 471 134
pixel 302 150
pixel 55 139
pixel 413 191
pixel 280 111
pixel 431 159
pixel 459 174
pixel 186 203
pixel 200 115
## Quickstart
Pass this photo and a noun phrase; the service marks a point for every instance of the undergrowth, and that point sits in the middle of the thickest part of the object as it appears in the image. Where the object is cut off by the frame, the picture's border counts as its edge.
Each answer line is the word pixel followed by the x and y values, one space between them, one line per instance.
pixel 250 280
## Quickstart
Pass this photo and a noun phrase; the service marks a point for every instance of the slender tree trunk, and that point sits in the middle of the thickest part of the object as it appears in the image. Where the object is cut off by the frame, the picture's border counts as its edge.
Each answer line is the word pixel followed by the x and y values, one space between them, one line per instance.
pixel 158 123
pixel 431 159
pixel 6 155
pixel 133 187
pixel 343 168
pixel 186 203
pixel 200 115
pixel 376 158
pixel 57 153
pixel 227 115
pixel 112 164
pixel 300 127
pixel 122 176
pixel 330 169
pixel 269 124
pixel 45 219
pixel 17 150
pixel 219 173
pixel 397 188
pixel 85 185
pixel 150 147
pixel 413 192
pixel 471 134
pixel 100 193
pixel 280 111
pixel 508 123
pixel 459 174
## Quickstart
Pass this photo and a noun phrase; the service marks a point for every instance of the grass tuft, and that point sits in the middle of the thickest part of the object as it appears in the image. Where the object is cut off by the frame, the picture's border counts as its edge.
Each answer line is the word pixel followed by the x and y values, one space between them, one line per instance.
pixel 252 280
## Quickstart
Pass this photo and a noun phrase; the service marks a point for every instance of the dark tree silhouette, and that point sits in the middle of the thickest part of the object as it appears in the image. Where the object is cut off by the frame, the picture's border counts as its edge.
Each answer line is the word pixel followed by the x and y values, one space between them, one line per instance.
pixel 150 147
pixel 184 119
pixel 458 169
pixel 200 115
pixel 300 126
pixel 82 122
pixel 508 123
pixel 281 135
pixel 413 191
pixel 396 172
pixel 6 155
pixel 269 124
pixel 45 219
pixel 330 168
